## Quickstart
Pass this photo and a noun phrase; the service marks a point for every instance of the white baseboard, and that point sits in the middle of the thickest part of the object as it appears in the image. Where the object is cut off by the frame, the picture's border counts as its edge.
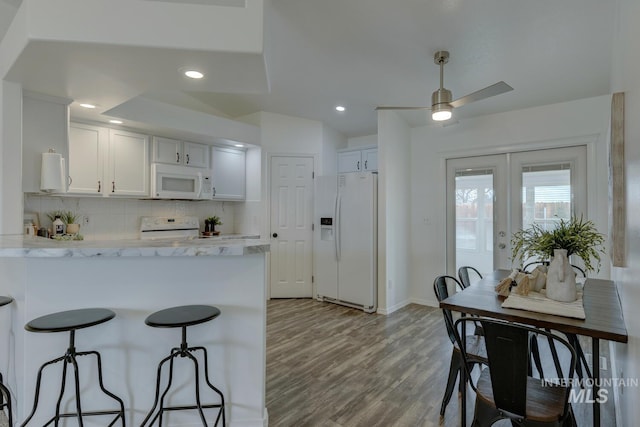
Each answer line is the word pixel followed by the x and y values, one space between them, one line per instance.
pixel 425 302
pixel 393 308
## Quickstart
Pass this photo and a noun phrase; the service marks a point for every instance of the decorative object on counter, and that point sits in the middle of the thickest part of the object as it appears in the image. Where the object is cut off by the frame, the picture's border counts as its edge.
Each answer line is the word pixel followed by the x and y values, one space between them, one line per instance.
pixel 69 223
pixel 210 225
pixel 71 219
pixel 561 280
pixel 59 227
pixel 521 281
pixel 577 235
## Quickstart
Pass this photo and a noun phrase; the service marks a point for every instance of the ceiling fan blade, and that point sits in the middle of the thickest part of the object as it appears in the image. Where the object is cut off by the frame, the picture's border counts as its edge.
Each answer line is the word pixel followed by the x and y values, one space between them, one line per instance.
pixel 402 108
pixel 493 90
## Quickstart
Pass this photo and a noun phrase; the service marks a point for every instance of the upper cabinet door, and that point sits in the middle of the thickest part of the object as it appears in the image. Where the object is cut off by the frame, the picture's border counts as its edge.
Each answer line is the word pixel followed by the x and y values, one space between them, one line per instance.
pixel 228 173
pixel 370 159
pixel 128 164
pixel 349 161
pixel 167 150
pixel 87 146
pixel 196 155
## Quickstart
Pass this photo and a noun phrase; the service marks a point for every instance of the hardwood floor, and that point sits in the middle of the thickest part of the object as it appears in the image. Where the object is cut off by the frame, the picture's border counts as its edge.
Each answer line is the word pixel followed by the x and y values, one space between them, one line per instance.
pixel 333 366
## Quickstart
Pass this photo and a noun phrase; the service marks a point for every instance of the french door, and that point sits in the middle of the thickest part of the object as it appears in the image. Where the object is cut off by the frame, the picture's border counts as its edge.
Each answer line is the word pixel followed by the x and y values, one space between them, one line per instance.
pixel 491 197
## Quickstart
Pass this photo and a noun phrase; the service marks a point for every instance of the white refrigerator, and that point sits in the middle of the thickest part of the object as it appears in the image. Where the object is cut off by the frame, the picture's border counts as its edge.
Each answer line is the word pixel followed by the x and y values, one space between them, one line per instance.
pixel 345 240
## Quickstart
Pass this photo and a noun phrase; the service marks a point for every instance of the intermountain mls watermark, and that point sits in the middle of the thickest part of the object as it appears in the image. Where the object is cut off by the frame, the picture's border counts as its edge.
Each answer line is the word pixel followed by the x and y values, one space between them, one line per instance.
pixel 582 390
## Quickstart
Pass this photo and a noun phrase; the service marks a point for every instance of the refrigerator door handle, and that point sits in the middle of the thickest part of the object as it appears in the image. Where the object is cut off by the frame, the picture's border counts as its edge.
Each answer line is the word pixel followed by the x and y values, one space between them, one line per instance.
pixel 337 226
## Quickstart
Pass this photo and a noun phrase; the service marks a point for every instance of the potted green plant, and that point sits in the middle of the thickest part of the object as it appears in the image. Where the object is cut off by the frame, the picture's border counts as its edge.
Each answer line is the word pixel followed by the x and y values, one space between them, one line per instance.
pixel 577 236
pixel 210 225
pixel 71 219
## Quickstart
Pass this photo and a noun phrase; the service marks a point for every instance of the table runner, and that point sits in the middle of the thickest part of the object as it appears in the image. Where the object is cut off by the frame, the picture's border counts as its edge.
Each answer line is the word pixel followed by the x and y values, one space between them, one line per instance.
pixel 538 302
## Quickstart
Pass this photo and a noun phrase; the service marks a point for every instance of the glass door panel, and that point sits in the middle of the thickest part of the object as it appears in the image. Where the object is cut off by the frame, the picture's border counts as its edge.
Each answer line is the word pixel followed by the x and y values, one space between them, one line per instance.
pixel 491 197
pixel 475 183
pixel 474 217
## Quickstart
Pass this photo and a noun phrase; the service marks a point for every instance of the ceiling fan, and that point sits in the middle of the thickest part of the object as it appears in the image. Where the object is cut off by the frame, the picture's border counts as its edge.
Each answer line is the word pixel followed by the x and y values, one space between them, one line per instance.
pixel 441 103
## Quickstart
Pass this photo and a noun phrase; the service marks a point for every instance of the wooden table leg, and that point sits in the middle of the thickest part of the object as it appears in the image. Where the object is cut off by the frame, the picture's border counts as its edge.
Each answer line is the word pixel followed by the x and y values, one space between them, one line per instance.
pixel 595 343
pixel 463 377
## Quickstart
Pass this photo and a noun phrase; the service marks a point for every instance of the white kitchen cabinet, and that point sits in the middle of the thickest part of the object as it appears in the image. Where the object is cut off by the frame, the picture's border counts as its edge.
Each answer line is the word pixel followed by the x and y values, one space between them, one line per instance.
pixel 87 152
pixel 128 164
pixel 228 172
pixel 107 162
pixel 175 152
pixel 370 159
pixel 358 160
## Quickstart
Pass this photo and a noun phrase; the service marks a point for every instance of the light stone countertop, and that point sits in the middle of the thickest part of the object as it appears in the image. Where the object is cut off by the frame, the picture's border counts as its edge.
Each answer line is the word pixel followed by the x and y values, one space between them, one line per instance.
pixel 39 247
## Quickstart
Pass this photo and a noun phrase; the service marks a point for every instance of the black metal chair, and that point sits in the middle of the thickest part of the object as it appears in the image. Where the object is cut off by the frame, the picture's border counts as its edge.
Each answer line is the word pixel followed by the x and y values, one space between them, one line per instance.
pixel 182 317
pixel 70 321
pixel 463 274
pixel 506 391
pixel 474 343
pixel 5 394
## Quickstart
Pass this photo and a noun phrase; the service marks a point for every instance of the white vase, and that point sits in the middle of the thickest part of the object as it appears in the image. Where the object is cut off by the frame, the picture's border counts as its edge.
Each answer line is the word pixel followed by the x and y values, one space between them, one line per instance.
pixel 561 280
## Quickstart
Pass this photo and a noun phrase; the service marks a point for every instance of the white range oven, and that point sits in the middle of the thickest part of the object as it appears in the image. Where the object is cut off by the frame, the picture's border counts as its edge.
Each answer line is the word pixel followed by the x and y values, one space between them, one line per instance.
pixel 162 227
pixel 180 182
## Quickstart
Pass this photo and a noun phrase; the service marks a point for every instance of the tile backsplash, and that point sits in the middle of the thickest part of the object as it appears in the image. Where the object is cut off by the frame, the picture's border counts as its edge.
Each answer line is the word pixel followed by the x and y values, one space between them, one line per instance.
pixel 120 218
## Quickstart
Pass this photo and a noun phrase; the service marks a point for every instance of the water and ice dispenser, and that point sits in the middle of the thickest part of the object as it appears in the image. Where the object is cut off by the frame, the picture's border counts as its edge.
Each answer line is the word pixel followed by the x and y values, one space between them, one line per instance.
pixel 326 229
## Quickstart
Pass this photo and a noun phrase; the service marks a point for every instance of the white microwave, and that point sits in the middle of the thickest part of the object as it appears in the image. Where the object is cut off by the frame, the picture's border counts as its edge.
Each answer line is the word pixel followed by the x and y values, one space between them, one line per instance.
pixel 180 182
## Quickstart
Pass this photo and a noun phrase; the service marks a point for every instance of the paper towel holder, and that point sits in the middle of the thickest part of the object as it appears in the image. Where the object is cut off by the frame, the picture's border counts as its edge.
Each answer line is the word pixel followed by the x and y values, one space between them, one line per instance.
pixel 52 172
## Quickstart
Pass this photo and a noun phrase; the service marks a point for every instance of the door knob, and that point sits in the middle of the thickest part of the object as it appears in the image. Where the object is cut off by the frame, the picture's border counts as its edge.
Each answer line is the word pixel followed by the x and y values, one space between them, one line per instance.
pixel 275 234
pixel 502 246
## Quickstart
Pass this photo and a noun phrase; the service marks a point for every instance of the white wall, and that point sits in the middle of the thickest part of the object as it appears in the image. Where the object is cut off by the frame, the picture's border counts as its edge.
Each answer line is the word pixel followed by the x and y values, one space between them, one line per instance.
pixel 394 214
pixel 10 158
pixel 362 141
pixel 332 140
pixel 570 123
pixel 626 72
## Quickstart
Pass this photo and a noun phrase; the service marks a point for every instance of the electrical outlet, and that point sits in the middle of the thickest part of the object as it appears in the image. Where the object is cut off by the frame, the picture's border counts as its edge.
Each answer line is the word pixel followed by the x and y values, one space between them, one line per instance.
pixel 85 220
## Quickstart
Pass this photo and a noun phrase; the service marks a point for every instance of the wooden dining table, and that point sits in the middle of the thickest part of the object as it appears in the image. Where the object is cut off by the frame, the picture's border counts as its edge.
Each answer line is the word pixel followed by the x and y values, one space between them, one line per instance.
pixel 604 319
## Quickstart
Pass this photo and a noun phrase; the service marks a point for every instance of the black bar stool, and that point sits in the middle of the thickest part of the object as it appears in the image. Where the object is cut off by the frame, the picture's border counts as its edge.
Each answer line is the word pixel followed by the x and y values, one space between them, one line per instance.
pixel 181 317
pixel 70 321
pixel 5 394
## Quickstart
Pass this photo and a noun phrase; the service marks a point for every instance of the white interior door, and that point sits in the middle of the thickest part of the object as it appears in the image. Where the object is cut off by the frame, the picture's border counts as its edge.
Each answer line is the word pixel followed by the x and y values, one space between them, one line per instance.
pixel 291 218
pixel 491 197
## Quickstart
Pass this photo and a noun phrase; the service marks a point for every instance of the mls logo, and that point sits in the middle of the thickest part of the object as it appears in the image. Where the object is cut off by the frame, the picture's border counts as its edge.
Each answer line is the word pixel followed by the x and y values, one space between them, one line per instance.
pixel 586 396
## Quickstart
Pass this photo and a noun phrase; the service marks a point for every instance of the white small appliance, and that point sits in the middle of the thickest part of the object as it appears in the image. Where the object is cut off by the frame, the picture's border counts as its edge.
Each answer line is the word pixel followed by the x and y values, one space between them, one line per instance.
pixel 180 182
pixel 162 227
pixel 345 240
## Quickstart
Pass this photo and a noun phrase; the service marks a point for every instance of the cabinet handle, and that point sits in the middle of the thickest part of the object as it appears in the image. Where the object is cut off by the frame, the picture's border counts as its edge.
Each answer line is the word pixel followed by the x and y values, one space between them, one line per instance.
pixel 187 159
pixel 113 186
pixel 358 165
pixel 70 180
pixel 365 164
pixel 99 186
pixel 214 191
pixel 177 157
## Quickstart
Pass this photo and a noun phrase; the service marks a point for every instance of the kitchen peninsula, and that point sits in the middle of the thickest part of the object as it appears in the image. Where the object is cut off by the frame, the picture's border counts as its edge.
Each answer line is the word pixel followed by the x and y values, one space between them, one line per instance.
pixel 135 278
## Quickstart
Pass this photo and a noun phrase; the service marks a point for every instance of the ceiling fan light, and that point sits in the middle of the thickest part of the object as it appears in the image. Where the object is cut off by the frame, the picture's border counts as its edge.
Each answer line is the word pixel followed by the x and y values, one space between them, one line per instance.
pixel 441 112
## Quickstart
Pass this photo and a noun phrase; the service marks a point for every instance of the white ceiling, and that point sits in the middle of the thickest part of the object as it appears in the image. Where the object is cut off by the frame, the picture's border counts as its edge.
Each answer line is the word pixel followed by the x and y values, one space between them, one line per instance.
pixel 365 53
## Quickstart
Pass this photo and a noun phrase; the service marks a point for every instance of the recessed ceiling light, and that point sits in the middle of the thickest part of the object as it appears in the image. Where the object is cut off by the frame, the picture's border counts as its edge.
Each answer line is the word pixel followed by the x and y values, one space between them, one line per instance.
pixel 116 122
pixel 87 105
pixel 239 145
pixel 340 108
pixel 193 74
